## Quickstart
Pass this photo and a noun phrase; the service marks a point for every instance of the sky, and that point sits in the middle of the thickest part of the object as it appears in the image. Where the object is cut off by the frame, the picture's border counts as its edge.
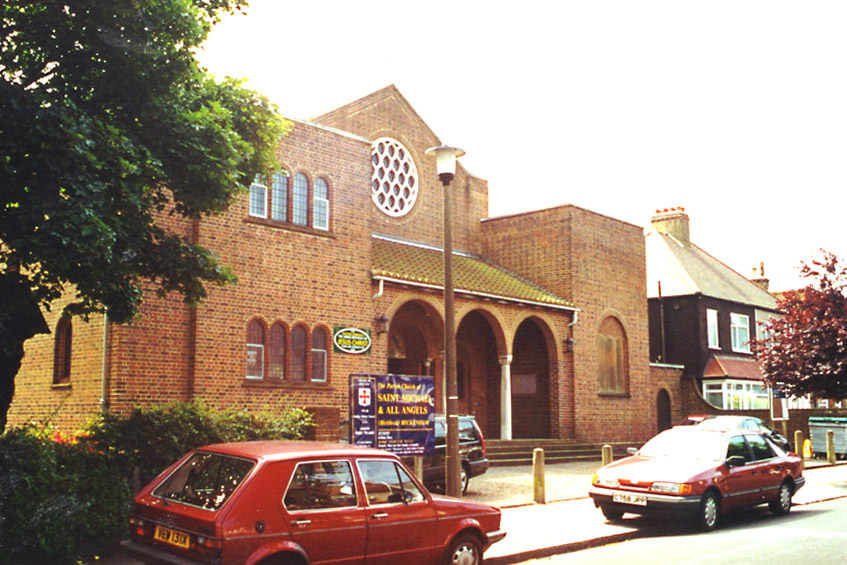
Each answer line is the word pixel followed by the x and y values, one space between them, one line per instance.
pixel 735 110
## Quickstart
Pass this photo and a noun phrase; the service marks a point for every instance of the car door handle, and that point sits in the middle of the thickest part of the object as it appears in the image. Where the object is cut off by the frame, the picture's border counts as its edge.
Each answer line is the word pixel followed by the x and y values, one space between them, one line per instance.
pixel 379 515
pixel 301 522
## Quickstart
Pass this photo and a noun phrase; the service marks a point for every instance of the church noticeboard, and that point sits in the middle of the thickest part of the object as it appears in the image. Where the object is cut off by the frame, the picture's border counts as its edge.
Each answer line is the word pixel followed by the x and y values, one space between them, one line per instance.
pixel 393 412
pixel 351 340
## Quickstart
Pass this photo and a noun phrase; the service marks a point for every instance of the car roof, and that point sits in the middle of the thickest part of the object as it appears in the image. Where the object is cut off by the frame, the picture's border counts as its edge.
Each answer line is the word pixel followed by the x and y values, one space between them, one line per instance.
pixel 714 429
pixel 288 450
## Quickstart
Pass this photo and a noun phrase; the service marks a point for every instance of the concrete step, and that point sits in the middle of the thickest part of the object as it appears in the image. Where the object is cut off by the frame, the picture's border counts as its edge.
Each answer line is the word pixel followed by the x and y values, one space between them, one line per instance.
pixel 519 452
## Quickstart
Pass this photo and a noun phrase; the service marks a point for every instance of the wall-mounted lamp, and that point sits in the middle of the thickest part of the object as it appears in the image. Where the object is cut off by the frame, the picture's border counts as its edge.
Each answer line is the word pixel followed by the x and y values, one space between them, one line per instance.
pixel 381 324
pixel 567 345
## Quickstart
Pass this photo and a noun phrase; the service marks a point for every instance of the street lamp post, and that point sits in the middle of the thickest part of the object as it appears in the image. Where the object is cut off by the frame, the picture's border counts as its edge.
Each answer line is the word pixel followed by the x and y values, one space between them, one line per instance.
pixel 445 158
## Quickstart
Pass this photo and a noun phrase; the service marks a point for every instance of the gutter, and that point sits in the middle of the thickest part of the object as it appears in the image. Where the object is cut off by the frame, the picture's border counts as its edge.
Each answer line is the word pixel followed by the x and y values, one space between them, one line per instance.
pixel 427 286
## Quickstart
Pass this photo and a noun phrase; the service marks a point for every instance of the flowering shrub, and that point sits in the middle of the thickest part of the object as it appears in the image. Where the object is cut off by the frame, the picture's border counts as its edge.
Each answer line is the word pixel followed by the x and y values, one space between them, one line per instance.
pixel 63 494
pixel 55 495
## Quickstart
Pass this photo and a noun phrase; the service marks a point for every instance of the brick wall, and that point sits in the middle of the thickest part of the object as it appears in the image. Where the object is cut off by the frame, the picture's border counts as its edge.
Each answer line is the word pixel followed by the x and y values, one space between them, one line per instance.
pixel 303 277
pixel 598 263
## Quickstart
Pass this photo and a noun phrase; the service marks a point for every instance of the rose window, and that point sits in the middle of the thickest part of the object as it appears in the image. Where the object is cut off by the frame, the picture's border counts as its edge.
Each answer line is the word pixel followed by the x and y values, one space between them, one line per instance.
pixel 394 185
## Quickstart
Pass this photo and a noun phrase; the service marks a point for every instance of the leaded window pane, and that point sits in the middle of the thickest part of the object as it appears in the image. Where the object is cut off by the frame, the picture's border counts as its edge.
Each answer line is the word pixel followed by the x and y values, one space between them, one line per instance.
pixel 276 352
pixel 299 345
pixel 279 196
pixel 300 201
pixel 320 213
pixel 255 350
pixel 258 198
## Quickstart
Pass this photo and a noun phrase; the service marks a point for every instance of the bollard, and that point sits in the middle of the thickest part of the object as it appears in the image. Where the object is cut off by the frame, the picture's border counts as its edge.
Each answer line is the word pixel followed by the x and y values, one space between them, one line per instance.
pixel 538 488
pixel 830 447
pixel 798 448
pixel 607 454
pixel 419 467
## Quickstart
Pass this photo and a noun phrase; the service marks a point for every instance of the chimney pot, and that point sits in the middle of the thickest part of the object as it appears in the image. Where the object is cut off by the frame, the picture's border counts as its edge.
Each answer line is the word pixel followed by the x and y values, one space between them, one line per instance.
pixel 673 222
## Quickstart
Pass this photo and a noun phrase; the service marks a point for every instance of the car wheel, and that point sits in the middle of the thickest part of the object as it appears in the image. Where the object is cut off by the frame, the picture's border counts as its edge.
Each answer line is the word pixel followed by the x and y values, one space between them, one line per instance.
pixel 465 550
pixel 707 517
pixel 464 479
pixel 782 505
pixel 612 514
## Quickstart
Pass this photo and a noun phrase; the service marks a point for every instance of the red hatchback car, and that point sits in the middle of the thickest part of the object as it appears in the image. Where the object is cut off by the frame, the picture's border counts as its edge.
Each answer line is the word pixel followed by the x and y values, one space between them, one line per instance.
pixel 275 503
pixel 700 473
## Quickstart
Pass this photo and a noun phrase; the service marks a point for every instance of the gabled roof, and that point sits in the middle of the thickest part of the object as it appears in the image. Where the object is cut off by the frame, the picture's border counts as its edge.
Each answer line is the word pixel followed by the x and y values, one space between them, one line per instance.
pixel 686 270
pixel 421 265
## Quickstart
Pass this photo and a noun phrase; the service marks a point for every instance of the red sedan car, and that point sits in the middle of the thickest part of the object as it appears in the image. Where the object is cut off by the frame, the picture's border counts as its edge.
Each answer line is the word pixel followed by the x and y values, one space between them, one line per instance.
pixel 699 473
pixel 275 503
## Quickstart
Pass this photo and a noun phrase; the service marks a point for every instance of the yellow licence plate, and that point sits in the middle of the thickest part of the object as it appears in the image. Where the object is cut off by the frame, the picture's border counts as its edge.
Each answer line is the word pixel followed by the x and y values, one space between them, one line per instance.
pixel 173 537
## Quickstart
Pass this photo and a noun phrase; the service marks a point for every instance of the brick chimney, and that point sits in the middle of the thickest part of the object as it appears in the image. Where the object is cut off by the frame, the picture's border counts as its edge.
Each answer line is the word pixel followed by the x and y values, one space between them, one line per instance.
pixel 759 278
pixel 673 222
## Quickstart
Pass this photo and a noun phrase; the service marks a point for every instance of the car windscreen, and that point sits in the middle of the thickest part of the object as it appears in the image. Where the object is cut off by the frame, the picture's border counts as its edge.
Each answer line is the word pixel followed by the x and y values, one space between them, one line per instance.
pixel 686 443
pixel 205 480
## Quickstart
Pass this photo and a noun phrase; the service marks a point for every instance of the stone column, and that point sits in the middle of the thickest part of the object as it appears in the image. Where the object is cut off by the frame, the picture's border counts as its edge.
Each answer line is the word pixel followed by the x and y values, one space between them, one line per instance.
pixel 505 396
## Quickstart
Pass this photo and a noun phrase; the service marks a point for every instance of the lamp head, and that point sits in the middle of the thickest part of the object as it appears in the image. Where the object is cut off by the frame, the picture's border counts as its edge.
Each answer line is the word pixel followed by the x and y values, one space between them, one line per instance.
pixel 445 161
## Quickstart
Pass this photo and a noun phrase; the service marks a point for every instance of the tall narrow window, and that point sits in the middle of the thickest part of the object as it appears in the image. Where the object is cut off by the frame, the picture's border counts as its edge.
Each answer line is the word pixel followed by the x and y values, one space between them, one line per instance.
pixel 279 196
pixel 712 328
pixel 614 357
pixel 319 355
pixel 255 350
pixel 258 198
pixel 299 351
pixel 300 200
pixel 276 352
pixel 320 209
pixel 740 328
pixel 62 352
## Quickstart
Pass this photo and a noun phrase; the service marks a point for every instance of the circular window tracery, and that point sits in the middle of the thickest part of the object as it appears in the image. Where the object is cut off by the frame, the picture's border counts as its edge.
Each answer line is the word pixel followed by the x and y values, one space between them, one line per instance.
pixel 394 184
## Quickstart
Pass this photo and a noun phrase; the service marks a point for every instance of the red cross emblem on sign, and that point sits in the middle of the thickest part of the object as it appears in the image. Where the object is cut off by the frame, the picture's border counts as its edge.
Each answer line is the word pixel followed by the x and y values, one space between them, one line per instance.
pixel 364 397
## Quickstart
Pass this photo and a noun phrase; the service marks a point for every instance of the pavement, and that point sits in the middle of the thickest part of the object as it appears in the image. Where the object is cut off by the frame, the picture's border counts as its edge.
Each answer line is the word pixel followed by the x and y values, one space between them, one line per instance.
pixel 568 520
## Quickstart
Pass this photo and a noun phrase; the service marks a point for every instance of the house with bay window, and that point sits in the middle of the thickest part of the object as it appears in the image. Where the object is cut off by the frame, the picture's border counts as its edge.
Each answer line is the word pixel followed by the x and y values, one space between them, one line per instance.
pixel 703 315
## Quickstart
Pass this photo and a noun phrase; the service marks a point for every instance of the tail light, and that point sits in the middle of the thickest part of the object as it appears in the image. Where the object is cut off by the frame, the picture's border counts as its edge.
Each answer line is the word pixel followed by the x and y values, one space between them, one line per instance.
pixel 481 437
pixel 208 546
pixel 137 527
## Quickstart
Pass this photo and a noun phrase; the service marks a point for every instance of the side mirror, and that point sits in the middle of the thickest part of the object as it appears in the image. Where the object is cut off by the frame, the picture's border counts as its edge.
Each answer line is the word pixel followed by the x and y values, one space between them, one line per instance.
pixel 631 450
pixel 736 461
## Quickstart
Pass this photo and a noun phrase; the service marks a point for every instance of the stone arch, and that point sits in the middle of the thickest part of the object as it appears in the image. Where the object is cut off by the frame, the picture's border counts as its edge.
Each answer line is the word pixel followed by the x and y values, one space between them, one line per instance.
pixel 533 377
pixel 480 341
pixel 415 337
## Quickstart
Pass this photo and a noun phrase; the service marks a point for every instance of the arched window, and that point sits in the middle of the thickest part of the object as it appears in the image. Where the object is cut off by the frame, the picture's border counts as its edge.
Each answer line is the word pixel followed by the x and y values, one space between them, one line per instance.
pixel 320 208
pixel 62 352
pixel 319 355
pixel 614 357
pixel 299 352
pixel 255 350
pixel 259 198
pixel 300 200
pixel 279 196
pixel 276 352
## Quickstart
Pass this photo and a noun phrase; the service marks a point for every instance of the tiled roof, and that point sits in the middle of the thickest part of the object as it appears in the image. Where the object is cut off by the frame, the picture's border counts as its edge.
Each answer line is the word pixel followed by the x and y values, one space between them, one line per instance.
pixel 722 367
pixel 688 270
pixel 423 265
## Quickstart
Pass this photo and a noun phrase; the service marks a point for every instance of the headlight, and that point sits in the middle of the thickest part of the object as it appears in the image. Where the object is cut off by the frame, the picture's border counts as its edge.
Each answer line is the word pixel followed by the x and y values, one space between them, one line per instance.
pixel 671 488
pixel 603 482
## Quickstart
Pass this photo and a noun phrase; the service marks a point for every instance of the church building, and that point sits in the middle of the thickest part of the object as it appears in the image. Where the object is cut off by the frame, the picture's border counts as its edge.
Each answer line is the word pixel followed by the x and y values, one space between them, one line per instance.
pixel 346 240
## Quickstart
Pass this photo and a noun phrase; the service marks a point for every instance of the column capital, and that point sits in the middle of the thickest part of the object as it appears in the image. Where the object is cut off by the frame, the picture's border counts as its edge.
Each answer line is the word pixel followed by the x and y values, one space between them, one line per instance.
pixel 505 359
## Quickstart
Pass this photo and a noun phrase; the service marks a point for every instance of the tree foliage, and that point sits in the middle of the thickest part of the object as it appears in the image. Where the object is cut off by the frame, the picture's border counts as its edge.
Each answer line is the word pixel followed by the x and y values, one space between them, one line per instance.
pixel 108 122
pixel 806 351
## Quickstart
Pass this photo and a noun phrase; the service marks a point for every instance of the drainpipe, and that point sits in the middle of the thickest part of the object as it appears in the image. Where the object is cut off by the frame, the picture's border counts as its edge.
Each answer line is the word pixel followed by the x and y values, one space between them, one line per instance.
pixel 381 289
pixel 104 367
